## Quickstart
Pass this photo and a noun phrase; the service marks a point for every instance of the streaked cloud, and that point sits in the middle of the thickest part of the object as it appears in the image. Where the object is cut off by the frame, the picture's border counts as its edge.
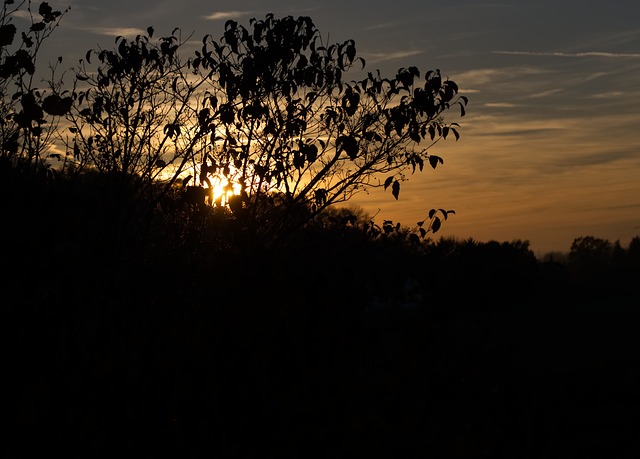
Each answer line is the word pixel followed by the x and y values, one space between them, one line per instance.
pixel 384 25
pixel 500 105
pixel 489 75
pixel 224 15
pixel 391 56
pixel 116 31
pixel 608 95
pixel 22 14
pixel 564 54
pixel 550 92
pixel 596 75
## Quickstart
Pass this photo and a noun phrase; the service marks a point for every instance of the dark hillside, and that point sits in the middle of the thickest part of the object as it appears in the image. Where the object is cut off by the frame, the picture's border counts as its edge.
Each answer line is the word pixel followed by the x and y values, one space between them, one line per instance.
pixel 136 330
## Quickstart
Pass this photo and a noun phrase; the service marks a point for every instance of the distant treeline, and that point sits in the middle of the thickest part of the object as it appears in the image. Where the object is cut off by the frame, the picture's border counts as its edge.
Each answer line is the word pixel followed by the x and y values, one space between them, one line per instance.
pixel 88 233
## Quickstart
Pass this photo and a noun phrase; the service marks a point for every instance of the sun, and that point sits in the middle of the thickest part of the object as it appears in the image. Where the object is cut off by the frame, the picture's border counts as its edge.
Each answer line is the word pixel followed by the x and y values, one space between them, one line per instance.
pixel 223 189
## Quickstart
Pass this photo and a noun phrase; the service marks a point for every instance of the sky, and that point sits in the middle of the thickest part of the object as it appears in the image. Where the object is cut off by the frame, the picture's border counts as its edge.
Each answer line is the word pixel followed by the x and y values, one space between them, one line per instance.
pixel 550 143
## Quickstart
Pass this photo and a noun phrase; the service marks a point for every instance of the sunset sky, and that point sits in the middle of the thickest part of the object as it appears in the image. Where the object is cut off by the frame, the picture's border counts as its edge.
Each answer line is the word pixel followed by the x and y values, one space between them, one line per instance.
pixel 550 146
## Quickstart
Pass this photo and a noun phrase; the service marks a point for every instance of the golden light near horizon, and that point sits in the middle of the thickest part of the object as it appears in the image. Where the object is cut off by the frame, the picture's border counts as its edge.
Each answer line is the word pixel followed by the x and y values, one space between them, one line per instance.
pixel 549 145
pixel 223 189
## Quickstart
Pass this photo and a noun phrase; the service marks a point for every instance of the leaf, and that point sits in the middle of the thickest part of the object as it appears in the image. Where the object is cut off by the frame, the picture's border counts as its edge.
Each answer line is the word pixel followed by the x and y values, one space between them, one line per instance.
pixel 432 131
pixel 432 212
pixel 150 31
pixel 7 33
pixel 28 42
pixel 435 226
pixel 387 182
pixel 395 189
pixel 434 160
pixel 56 106
pixel 45 9
pixel 37 27
pixel 347 144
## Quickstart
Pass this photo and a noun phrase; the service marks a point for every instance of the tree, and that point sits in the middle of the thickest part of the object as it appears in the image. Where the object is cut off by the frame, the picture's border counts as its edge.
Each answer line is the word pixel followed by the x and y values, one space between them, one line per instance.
pixel 284 119
pixel 132 114
pixel 266 113
pixel 28 115
pixel 589 258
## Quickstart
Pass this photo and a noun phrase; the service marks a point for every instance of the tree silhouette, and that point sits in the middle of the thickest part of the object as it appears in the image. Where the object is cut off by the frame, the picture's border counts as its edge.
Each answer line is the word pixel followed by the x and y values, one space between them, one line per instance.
pixel 266 111
pixel 283 117
pixel 589 258
pixel 131 111
pixel 28 114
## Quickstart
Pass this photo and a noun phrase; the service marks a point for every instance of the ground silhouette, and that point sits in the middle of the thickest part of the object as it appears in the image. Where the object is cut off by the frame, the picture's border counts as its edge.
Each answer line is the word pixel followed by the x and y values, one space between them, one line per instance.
pixel 170 331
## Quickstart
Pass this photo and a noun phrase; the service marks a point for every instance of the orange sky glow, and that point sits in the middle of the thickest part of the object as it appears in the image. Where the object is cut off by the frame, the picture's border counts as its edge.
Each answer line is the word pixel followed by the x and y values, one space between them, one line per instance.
pixel 550 145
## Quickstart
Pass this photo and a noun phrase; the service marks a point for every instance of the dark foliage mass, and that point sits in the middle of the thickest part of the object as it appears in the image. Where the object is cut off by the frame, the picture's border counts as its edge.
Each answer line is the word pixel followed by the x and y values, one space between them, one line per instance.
pixel 170 332
pixel 140 320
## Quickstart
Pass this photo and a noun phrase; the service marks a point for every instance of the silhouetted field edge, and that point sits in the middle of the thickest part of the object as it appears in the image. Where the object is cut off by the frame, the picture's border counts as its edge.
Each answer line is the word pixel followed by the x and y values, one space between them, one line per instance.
pixel 155 333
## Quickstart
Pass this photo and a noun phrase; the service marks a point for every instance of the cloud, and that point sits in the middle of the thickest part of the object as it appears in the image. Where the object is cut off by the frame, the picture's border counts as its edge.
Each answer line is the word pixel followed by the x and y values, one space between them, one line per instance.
pixel 500 105
pixel 22 14
pixel 384 25
pixel 382 57
pixel 563 54
pixel 607 95
pixel 116 31
pixel 491 75
pixel 222 15
pixel 550 92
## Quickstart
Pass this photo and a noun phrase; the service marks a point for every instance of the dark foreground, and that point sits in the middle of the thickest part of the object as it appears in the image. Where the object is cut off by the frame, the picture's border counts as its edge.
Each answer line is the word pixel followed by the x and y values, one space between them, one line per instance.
pixel 188 344
pixel 254 383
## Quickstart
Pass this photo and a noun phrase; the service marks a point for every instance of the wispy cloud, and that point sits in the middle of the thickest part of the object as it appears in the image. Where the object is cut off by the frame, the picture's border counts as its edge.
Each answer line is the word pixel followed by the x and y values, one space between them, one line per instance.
pixel 608 95
pixel 223 15
pixel 563 54
pixel 116 31
pixel 22 14
pixel 384 25
pixel 490 75
pixel 596 75
pixel 382 57
pixel 550 92
pixel 500 105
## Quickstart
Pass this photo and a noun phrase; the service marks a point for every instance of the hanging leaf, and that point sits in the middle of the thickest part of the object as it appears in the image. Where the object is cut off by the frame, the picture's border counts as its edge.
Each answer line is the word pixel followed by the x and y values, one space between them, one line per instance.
pixel 56 105
pixel 435 226
pixel 7 33
pixel 387 182
pixel 348 144
pixel 395 189
pixel 434 160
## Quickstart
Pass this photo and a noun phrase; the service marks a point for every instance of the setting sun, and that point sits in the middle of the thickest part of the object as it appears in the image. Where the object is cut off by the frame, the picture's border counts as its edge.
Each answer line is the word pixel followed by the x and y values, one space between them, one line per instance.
pixel 223 189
